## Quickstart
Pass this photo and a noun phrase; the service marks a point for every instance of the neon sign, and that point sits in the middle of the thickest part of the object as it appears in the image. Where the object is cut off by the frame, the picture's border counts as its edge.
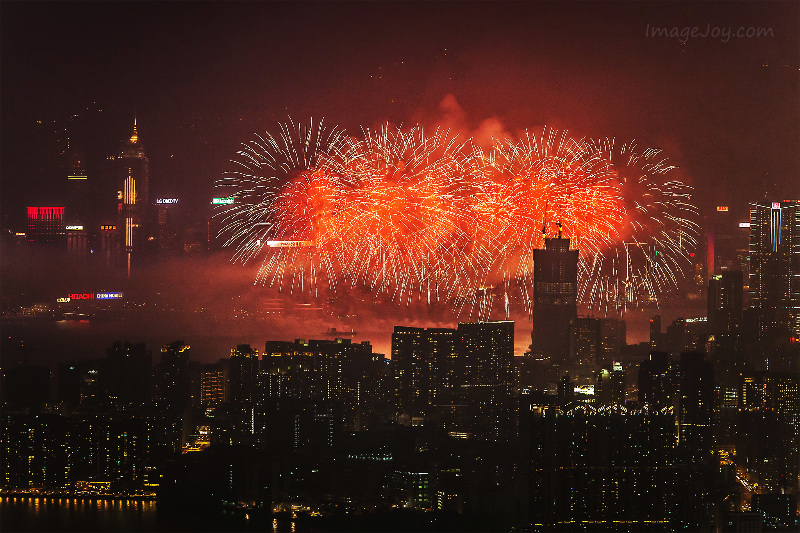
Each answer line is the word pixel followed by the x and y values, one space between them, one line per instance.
pixel 108 228
pixel 167 201
pixel 63 300
pixel 776 205
pixel 722 208
pixel 81 296
pixel 73 228
pixel 222 201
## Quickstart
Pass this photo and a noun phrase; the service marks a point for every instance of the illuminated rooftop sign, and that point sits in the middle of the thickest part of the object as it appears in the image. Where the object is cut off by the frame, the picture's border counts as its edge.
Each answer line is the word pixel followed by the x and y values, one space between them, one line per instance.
pixel 62 300
pixel 76 177
pixel 776 205
pixel 587 390
pixel 167 201
pixel 744 224
pixel 222 201
pixel 81 296
pixel 290 244
pixel 722 208
pixel 108 227
pixel 74 228
pixel 92 296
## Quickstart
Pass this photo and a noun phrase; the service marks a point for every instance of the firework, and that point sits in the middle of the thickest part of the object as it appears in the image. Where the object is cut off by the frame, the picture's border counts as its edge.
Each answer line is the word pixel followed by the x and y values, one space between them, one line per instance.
pixel 647 258
pixel 419 217
pixel 277 198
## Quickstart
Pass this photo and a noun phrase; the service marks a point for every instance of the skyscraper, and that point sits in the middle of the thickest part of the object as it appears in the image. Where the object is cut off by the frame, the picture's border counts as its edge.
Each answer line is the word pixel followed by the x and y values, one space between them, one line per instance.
pixel 725 307
pixel 136 184
pixel 775 269
pixel 555 296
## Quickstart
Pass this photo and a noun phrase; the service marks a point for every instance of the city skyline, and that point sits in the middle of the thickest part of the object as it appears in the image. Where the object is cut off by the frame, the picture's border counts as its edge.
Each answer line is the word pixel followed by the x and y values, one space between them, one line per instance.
pixel 429 265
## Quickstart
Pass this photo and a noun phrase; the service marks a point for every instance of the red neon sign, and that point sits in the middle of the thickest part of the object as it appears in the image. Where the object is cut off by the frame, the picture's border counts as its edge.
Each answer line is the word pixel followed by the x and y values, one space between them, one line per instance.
pixel 82 296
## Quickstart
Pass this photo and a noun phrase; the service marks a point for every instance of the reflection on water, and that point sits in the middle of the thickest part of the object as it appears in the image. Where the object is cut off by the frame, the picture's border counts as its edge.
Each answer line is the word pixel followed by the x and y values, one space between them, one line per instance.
pixel 77 514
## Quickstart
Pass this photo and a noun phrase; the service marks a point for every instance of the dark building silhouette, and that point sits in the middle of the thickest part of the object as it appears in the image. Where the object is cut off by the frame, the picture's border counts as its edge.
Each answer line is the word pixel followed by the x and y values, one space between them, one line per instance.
pixel 175 378
pixel 243 373
pixel 81 384
pixel 655 333
pixel 657 381
pixel 555 290
pixel 725 308
pixel 26 387
pixel 128 373
pixel 695 406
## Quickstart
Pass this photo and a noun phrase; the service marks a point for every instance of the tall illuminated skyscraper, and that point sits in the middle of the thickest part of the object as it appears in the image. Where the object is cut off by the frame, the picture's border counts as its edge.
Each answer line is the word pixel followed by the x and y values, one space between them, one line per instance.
pixel 136 184
pixel 775 269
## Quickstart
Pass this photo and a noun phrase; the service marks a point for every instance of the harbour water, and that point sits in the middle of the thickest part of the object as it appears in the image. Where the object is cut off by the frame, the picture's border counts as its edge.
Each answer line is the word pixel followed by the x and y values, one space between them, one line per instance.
pixel 80 514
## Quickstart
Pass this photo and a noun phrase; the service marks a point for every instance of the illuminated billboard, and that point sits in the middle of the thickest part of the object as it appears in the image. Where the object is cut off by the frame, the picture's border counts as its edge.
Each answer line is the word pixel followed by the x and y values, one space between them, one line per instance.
pixel 108 295
pixel 74 228
pixel 167 201
pixel 222 201
pixel 91 296
pixel 776 205
pixel 744 224
pixel 108 227
pixel 722 208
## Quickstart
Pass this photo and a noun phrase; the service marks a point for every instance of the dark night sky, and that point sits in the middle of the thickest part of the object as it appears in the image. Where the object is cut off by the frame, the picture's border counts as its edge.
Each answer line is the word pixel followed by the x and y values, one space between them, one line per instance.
pixel 202 76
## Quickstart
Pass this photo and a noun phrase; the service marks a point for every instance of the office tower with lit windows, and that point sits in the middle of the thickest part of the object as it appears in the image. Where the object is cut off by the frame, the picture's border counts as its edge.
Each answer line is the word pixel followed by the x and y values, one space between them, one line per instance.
pixel 775 269
pixel 46 226
pixel 555 296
